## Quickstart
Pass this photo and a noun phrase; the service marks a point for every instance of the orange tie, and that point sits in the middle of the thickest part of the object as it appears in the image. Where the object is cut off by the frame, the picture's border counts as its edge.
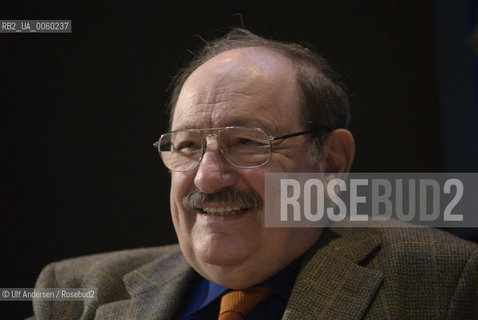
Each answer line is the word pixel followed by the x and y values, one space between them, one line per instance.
pixel 236 304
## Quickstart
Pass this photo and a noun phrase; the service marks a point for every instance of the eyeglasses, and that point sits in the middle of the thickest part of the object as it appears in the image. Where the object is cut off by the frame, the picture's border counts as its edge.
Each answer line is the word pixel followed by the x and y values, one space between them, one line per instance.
pixel 242 147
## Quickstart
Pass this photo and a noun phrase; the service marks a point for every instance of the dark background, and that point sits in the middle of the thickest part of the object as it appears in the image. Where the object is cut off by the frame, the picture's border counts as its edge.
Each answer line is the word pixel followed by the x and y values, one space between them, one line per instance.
pixel 79 111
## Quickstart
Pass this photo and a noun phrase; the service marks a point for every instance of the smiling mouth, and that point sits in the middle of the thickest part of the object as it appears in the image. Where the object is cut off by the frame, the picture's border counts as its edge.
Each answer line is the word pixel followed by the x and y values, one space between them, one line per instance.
pixel 223 211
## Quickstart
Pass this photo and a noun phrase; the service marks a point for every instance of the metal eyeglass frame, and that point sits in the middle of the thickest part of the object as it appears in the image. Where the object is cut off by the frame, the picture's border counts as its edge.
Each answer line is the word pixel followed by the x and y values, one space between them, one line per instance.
pixel 218 130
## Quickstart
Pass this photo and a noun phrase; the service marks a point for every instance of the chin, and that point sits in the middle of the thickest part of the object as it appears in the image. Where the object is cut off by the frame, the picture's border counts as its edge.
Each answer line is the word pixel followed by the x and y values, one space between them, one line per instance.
pixel 222 251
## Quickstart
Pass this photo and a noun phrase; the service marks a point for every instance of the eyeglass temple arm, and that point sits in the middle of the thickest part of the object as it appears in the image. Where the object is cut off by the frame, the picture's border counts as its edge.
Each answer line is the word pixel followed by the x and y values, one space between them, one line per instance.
pixel 322 130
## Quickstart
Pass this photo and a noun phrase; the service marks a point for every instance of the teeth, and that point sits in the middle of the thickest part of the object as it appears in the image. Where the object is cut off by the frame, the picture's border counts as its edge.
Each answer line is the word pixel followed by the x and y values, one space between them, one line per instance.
pixel 223 211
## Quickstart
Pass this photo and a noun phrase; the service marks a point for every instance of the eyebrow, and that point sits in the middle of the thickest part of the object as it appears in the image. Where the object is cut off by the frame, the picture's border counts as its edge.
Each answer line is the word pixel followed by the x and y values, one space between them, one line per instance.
pixel 185 126
pixel 232 122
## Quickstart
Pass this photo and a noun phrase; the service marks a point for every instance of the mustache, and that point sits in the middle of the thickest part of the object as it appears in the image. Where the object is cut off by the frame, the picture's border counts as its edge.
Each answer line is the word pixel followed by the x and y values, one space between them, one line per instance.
pixel 245 198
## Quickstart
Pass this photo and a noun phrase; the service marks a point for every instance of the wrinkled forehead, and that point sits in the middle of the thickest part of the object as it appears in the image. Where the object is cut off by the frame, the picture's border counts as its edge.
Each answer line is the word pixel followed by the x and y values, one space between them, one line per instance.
pixel 237 86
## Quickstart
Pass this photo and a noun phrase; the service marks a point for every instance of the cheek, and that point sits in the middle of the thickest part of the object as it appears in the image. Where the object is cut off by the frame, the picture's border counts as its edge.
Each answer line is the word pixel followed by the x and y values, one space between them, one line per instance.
pixel 254 180
pixel 282 162
pixel 180 184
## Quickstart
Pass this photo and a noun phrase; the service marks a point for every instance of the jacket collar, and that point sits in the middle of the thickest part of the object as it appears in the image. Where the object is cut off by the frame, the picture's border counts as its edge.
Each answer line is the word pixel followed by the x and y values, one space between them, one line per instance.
pixel 331 282
pixel 156 290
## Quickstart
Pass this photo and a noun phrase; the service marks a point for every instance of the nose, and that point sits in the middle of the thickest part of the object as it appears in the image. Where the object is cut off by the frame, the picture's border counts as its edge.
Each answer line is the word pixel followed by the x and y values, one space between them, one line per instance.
pixel 214 172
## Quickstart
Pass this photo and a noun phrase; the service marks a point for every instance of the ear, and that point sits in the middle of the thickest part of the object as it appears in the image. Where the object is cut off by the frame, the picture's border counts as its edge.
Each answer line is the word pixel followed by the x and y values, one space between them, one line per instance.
pixel 339 150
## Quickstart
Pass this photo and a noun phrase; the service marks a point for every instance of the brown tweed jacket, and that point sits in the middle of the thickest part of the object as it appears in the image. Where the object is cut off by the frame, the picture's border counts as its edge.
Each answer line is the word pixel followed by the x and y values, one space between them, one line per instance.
pixel 412 273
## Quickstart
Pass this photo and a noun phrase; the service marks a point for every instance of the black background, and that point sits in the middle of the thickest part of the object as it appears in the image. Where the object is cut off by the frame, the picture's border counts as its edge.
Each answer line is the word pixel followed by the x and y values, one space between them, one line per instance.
pixel 79 111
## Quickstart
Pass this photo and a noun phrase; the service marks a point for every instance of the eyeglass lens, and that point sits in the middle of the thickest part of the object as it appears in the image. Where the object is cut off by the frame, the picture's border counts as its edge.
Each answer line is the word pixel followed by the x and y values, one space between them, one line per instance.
pixel 242 147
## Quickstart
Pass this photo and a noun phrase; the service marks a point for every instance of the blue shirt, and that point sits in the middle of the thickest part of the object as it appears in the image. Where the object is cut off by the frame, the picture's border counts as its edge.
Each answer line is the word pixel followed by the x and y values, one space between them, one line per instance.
pixel 204 298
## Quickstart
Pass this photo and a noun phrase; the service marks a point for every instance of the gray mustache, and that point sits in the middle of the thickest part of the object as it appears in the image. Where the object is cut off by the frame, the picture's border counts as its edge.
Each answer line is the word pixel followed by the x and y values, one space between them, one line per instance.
pixel 248 198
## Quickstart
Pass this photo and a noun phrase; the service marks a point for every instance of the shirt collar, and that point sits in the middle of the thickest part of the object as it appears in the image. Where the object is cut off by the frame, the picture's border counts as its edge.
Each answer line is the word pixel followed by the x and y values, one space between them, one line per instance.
pixel 280 284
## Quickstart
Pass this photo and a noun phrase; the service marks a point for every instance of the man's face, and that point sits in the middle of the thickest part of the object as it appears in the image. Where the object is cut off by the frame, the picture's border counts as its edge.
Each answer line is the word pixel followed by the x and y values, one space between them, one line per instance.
pixel 242 87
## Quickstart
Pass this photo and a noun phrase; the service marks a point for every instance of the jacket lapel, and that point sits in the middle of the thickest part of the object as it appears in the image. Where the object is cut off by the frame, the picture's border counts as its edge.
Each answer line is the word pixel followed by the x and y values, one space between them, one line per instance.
pixel 331 283
pixel 156 290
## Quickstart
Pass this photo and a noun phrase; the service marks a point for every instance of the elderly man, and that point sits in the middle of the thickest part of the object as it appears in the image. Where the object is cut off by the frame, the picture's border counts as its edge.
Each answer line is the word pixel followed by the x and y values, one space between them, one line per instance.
pixel 244 107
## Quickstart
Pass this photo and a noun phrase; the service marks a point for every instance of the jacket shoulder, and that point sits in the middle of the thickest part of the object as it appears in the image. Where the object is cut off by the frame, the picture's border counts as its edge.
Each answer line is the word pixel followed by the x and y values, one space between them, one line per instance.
pixel 107 267
pixel 428 241
pixel 427 271
pixel 103 272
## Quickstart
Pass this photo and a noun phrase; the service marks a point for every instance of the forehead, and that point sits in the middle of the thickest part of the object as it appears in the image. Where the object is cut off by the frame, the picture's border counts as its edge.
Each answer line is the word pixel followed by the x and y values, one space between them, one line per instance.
pixel 247 86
